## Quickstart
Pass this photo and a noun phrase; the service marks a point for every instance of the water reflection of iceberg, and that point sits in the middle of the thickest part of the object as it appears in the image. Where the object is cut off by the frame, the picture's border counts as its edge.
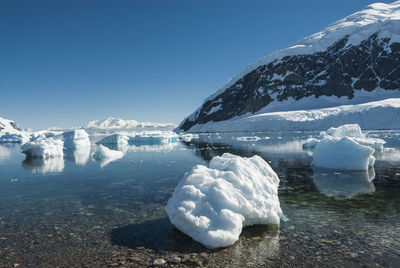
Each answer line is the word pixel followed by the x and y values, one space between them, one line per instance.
pixel 40 165
pixel 346 184
pixel 264 246
pixel 79 156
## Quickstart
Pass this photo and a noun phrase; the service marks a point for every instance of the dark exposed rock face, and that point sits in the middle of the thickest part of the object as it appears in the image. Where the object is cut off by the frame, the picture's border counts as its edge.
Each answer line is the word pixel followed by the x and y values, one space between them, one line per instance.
pixel 338 71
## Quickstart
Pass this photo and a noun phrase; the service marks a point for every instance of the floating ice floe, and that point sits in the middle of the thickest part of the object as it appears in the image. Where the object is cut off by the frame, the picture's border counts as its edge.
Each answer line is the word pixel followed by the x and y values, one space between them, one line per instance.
pixel 352 131
pixel 343 154
pixel 188 137
pixel 76 138
pixel 43 148
pixel 344 147
pixel 212 204
pixel 310 143
pixel 106 155
pixel 154 139
pixel 114 139
pixel 250 138
pixel 14 138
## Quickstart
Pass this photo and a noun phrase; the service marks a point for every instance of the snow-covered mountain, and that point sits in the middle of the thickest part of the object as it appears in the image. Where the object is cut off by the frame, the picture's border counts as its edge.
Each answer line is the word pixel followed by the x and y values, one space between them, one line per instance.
pixel 117 123
pixel 9 126
pixel 354 60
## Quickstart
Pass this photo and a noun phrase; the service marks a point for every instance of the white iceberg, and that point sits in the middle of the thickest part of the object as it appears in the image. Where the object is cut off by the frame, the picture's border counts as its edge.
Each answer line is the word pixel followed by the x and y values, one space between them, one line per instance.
pixel 310 143
pixel 348 130
pixel 106 155
pixel 352 131
pixel 212 204
pixel 342 154
pixel 43 148
pixel 76 138
pixel 114 139
pixel 14 138
pixel 154 138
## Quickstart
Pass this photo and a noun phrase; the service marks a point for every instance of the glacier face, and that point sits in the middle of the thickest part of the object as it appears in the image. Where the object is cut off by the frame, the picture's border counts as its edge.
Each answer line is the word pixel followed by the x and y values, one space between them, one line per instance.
pixel 352 61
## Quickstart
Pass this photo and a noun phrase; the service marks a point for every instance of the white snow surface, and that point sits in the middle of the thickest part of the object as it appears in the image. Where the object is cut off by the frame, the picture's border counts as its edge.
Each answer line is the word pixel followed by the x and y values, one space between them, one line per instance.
pixel 383 114
pixel 117 123
pixel 212 204
pixel 8 127
pixel 75 139
pixel 43 148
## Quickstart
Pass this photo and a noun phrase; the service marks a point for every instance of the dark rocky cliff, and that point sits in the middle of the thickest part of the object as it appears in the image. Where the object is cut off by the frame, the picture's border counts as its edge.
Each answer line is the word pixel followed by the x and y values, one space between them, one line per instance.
pixel 339 71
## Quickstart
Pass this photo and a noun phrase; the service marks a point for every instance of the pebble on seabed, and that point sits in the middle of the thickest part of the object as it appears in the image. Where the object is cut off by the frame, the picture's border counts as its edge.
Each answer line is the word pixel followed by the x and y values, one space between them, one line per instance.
pixel 159 262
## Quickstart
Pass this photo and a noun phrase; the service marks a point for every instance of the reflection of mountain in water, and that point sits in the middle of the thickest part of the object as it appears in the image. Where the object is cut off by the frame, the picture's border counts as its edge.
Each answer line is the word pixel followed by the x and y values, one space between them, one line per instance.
pixel 40 165
pixel 345 184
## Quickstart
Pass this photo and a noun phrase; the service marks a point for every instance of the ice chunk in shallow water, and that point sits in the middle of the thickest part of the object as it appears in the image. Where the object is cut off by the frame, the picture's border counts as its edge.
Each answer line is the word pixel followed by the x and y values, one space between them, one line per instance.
pixel 43 148
pixel 76 138
pixel 106 155
pixel 212 204
pixel 342 154
pixel 114 139
pixel 345 184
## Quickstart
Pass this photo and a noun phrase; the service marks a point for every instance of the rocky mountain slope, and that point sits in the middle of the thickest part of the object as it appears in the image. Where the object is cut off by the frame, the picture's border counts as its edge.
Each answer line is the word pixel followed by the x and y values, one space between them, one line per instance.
pixel 352 61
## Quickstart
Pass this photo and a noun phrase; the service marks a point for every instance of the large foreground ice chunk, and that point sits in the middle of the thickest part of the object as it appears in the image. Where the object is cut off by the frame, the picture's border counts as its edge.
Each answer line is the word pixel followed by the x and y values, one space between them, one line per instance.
pixel 43 148
pixel 343 154
pixel 212 204
pixel 76 138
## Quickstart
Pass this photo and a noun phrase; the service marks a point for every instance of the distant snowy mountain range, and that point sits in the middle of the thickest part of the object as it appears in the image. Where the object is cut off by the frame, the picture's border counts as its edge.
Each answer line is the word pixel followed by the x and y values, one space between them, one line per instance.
pixel 354 60
pixel 9 126
pixel 117 123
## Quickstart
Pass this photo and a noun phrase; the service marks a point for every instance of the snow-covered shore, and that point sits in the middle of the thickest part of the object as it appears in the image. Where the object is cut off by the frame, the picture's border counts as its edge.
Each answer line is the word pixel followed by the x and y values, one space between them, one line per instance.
pixel 384 114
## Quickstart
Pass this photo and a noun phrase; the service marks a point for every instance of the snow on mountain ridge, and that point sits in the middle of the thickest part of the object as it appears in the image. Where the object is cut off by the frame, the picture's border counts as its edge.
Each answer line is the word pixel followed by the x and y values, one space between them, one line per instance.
pixel 387 14
pixel 9 126
pixel 117 123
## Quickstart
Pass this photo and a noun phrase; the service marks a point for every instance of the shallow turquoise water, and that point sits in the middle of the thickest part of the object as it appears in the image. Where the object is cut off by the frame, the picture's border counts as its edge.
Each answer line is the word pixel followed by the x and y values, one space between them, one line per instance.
pixel 74 211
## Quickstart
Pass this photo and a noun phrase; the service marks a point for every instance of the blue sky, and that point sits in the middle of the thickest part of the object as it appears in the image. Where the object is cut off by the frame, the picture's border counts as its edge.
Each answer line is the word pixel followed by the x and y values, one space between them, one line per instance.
pixel 65 62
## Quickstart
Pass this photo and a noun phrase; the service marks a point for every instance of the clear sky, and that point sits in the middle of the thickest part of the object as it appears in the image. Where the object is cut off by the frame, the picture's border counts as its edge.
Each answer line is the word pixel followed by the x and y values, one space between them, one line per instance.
pixel 65 62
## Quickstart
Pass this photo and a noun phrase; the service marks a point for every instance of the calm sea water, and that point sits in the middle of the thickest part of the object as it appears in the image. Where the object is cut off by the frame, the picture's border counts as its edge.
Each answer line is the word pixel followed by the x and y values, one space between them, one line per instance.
pixel 78 212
